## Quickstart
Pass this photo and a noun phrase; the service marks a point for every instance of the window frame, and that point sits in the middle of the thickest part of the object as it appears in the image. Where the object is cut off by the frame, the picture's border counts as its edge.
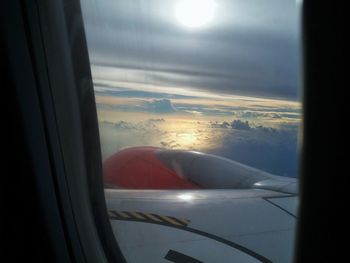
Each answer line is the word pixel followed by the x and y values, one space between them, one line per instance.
pixel 34 86
pixel 58 55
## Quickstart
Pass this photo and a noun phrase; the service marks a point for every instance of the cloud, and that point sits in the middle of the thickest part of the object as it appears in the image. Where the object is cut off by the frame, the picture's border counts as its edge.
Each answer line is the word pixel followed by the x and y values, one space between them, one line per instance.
pixel 120 134
pixel 257 114
pixel 265 129
pixel 160 106
pixel 246 125
pixel 223 125
pixel 250 52
pixel 240 125
pixel 124 125
pixel 156 120
pixel 148 125
pixel 109 88
pixel 172 144
pixel 136 105
pixel 142 57
pixel 270 149
pixel 273 150
pixel 236 124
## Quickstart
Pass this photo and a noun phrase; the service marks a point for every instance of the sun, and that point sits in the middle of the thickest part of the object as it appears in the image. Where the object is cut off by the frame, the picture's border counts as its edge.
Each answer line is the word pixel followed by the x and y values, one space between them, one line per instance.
pixel 194 13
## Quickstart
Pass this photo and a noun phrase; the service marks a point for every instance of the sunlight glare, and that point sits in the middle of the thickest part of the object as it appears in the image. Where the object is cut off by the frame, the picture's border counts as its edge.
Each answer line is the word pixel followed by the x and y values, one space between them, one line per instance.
pixel 194 13
pixel 187 138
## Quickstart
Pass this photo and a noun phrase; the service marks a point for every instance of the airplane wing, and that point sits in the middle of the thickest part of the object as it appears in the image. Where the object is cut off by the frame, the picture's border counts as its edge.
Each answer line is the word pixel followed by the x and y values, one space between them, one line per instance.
pixel 254 222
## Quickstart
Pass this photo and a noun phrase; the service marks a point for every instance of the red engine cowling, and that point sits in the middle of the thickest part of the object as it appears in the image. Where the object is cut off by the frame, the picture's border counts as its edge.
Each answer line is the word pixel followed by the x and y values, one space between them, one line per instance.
pixel 139 168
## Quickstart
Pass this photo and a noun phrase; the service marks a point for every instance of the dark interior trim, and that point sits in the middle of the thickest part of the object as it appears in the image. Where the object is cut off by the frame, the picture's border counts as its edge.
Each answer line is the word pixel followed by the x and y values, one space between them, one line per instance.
pixel 323 162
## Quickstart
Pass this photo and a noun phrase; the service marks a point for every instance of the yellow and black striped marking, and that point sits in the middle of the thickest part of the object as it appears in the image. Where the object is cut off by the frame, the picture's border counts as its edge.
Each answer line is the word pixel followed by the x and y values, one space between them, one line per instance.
pixel 148 218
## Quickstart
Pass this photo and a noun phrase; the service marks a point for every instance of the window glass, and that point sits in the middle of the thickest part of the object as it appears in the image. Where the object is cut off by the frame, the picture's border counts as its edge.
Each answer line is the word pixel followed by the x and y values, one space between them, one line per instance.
pixel 194 95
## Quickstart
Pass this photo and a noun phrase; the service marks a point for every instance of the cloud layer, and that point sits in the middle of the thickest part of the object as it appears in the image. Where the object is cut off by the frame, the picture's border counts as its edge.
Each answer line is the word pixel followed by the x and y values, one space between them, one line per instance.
pixel 160 106
pixel 230 88
pixel 270 149
pixel 251 47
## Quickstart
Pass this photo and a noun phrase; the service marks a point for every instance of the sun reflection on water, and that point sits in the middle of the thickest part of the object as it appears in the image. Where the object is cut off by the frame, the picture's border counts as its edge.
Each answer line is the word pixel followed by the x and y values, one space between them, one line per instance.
pixel 187 138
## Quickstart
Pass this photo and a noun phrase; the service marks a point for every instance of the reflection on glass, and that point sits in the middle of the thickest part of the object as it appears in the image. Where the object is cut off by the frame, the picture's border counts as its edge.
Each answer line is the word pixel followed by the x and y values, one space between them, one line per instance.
pixel 224 84
pixel 199 94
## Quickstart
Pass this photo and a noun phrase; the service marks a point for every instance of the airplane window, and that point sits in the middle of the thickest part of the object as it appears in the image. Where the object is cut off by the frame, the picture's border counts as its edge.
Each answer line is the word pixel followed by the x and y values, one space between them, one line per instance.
pixel 199 113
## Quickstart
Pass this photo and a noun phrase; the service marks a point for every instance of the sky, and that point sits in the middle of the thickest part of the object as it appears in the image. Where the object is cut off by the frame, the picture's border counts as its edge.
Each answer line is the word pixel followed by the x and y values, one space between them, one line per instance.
pixel 226 83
